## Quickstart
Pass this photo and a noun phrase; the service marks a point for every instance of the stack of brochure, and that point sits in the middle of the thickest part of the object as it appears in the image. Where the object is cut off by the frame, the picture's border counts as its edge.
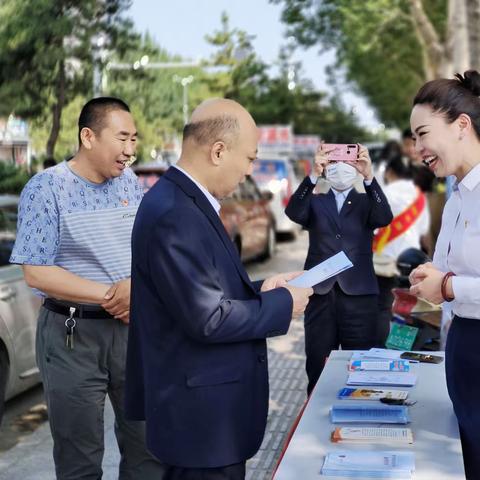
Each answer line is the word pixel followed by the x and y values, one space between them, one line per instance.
pixel 371 394
pixel 369 413
pixel 394 435
pixel 371 464
pixel 398 379
pixel 379 365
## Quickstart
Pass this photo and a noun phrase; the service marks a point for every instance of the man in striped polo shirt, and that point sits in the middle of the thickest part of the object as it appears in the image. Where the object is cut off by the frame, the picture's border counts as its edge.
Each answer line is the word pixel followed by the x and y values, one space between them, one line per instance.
pixel 73 240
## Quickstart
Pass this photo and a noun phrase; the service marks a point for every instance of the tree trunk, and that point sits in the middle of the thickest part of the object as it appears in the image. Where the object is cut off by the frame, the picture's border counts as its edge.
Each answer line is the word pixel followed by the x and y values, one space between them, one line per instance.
pixel 457 39
pixel 435 54
pixel 473 26
pixel 57 109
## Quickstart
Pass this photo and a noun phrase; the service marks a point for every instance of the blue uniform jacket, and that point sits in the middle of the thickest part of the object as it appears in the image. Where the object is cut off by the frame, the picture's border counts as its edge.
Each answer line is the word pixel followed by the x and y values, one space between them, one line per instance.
pixel 197 358
pixel 351 230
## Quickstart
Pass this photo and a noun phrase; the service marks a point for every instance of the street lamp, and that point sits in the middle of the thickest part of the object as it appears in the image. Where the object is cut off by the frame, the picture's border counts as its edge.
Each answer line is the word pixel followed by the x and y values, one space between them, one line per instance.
pixel 184 81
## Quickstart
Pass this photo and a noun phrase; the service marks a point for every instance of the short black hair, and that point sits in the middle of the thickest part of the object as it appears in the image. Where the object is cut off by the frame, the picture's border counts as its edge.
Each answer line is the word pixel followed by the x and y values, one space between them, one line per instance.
pixel 452 97
pixel 407 133
pixel 223 128
pixel 397 166
pixel 94 112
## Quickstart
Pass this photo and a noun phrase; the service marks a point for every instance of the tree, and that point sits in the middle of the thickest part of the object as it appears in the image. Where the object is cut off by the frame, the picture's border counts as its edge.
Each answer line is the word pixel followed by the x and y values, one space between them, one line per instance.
pixel 46 55
pixel 155 98
pixel 269 99
pixel 388 48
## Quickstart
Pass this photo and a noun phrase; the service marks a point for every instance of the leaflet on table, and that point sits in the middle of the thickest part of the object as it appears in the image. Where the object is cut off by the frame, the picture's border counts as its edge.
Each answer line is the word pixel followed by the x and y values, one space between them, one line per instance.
pixel 372 464
pixel 372 434
pixel 369 413
pixel 324 270
pixel 398 379
pixel 379 365
pixel 377 354
pixel 370 394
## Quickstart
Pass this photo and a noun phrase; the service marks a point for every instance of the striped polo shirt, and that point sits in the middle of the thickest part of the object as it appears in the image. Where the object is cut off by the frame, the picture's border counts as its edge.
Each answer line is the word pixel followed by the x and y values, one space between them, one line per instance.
pixel 83 227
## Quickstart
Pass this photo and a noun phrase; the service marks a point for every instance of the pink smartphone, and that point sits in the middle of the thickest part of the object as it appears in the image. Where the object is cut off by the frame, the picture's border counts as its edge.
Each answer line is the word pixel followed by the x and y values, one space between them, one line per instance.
pixel 341 152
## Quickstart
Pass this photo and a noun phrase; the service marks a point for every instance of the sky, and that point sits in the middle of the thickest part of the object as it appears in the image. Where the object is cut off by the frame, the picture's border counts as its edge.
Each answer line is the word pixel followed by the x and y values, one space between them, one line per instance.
pixel 180 27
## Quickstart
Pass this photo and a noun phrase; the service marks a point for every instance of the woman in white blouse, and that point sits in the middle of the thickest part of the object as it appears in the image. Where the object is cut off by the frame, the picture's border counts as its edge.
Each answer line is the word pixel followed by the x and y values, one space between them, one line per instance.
pixel 445 121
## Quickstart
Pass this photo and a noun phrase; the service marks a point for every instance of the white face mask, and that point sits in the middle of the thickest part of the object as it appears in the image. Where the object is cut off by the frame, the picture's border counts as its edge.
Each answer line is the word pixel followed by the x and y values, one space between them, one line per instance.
pixel 341 175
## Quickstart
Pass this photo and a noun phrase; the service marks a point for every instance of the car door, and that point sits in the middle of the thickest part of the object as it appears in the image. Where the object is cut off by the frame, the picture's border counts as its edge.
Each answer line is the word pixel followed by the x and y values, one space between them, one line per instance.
pixel 255 230
pixel 18 307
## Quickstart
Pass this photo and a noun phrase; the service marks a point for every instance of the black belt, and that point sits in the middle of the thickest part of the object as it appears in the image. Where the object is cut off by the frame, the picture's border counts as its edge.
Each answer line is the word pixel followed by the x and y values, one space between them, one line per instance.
pixel 81 311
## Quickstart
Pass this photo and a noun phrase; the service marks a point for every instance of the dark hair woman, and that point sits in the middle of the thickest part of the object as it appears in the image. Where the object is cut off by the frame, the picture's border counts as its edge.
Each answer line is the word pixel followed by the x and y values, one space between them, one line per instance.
pixel 445 121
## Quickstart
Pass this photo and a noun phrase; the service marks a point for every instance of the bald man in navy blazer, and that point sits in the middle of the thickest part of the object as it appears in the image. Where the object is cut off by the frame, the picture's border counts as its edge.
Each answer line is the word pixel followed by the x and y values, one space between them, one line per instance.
pixel 197 358
pixel 344 309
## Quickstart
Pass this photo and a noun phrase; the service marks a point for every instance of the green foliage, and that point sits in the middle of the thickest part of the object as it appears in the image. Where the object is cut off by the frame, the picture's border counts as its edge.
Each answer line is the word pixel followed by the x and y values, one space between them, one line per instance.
pixel 375 42
pixel 46 55
pixel 155 95
pixel 12 178
pixel 268 99
pixel 67 143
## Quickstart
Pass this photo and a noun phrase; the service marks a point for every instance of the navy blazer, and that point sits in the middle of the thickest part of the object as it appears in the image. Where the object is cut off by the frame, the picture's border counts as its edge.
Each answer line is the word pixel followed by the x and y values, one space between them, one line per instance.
pixel 197 358
pixel 351 230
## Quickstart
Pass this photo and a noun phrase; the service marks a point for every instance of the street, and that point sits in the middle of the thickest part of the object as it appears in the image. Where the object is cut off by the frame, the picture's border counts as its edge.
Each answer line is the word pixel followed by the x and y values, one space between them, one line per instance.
pixel 25 441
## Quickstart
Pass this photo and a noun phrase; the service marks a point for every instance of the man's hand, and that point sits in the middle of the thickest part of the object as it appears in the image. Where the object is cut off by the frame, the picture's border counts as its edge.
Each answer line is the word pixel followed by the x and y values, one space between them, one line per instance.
pixel 117 300
pixel 363 163
pixel 300 298
pixel 279 280
pixel 426 283
pixel 321 160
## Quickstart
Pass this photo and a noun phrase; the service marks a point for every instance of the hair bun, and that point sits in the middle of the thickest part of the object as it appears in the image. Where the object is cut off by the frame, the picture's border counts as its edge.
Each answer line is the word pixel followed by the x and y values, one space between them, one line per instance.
pixel 470 80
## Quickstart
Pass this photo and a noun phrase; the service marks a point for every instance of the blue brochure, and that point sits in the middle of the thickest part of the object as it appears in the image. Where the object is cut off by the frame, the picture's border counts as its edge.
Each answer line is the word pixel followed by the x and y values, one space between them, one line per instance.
pixel 369 413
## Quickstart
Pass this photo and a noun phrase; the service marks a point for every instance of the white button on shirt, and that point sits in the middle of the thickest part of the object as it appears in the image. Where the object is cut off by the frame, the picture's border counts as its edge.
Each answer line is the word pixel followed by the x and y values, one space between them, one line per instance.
pixel 458 244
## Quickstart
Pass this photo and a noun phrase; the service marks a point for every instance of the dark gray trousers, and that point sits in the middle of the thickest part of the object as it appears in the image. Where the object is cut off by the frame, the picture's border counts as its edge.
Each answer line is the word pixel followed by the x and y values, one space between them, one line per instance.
pixel 76 383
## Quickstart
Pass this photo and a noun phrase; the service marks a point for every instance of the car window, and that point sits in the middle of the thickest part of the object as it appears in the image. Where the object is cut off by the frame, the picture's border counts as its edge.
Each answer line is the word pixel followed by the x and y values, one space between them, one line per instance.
pixel 8 226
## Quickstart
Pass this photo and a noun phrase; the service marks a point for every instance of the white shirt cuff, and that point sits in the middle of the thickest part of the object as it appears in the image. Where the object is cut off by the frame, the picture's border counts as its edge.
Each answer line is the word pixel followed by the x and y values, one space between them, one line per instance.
pixel 368 182
pixel 466 289
pixel 313 179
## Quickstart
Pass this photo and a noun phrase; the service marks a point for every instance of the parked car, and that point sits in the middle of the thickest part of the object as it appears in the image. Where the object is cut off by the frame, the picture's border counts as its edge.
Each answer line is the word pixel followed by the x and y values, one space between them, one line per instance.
pixel 276 175
pixel 246 215
pixel 18 314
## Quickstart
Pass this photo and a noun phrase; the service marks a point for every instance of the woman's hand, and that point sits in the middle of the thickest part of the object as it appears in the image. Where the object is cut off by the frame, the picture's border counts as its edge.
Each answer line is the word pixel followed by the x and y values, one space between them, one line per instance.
pixel 426 283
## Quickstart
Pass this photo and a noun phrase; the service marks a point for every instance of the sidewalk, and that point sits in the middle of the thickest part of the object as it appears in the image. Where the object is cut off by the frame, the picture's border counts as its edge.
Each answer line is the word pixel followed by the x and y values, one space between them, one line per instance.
pixel 31 459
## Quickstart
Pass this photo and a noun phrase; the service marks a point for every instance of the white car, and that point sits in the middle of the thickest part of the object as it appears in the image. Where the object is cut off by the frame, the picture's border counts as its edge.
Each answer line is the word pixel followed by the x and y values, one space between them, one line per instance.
pixel 18 314
pixel 276 175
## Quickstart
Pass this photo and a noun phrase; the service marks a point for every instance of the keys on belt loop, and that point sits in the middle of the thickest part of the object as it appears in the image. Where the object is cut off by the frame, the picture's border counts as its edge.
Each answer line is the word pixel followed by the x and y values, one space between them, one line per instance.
pixel 70 324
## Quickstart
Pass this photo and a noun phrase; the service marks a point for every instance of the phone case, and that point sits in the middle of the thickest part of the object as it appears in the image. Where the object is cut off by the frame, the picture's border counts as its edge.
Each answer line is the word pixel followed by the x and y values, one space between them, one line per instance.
pixel 341 152
pixel 421 357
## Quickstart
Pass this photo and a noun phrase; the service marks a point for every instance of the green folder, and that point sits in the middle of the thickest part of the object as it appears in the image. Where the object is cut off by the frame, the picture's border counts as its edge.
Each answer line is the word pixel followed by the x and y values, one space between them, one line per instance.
pixel 401 337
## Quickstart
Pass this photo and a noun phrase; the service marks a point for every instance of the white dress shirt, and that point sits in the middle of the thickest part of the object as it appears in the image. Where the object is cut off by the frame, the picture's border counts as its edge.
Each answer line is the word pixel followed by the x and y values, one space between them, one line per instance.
pixel 214 202
pixel 339 196
pixel 458 244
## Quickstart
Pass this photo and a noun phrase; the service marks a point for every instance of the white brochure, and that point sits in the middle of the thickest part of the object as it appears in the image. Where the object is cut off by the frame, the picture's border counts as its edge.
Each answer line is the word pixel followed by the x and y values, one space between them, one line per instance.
pixel 328 268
